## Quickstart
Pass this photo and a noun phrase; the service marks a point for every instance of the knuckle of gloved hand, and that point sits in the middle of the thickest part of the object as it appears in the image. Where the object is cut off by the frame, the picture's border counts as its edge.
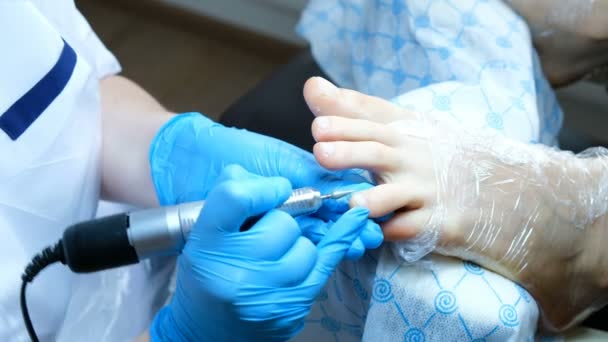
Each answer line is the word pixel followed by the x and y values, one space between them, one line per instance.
pixel 233 171
pixel 284 220
pixel 234 192
pixel 354 252
pixel 308 248
pixel 281 185
pixel 281 227
pixel 302 256
pixel 297 264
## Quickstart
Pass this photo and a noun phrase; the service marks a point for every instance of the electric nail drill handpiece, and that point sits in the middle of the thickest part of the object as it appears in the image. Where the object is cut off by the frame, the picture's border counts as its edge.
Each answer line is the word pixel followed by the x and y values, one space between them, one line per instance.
pixel 127 238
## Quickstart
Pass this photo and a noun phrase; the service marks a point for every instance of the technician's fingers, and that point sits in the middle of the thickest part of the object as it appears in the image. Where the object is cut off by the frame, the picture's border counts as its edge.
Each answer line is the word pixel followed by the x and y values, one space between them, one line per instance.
pixel 333 247
pixel 230 203
pixel 270 238
pixel 356 250
pixel 371 236
pixel 406 225
pixel 313 228
pixel 323 98
pixel 369 155
pixel 233 172
pixel 335 128
pixel 230 172
pixel 292 269
pixel 386 198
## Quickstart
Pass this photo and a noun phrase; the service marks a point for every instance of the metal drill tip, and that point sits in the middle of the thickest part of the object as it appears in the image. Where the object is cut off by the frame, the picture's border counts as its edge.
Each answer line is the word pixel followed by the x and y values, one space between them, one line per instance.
pixel 337 194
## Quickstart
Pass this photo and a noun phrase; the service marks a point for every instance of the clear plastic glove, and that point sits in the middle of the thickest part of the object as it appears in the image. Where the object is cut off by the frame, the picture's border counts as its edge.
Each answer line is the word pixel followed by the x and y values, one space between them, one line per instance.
pixel 189 152
pixel 533 214
pixel 256 285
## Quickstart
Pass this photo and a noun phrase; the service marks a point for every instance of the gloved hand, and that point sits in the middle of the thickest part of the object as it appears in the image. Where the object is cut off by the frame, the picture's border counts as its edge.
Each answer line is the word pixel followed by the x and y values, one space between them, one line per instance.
pixel 256 285
pixel 189 152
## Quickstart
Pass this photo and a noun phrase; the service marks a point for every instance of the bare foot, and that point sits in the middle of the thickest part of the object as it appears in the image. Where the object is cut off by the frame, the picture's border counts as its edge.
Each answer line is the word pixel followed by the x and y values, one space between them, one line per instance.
pixel 534 215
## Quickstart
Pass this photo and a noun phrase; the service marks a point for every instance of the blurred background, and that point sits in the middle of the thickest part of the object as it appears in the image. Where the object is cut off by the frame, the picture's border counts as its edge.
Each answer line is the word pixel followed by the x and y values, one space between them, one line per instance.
pixel 197 54
pixel 205 54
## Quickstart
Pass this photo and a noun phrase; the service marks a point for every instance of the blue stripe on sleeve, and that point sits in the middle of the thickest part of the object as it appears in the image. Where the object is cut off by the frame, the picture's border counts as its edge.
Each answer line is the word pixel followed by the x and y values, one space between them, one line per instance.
pixel 33 103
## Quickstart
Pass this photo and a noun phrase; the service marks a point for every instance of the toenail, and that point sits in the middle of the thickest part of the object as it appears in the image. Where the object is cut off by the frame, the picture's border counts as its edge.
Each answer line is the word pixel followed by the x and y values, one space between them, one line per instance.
pixel 322 123
pixel 327 149
pixel 326 88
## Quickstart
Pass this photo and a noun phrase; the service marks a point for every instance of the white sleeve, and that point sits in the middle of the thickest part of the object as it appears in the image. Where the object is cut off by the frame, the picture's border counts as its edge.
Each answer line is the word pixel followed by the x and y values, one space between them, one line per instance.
pixel 75 29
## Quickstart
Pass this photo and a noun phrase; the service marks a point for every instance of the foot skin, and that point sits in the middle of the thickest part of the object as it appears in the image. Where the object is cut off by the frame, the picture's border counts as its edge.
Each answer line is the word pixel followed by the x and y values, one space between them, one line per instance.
pixel 520 210
pixel 571 37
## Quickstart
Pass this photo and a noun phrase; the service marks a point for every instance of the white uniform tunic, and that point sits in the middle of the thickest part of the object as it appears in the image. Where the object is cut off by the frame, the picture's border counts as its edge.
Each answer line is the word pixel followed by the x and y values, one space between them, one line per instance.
pixel 50 66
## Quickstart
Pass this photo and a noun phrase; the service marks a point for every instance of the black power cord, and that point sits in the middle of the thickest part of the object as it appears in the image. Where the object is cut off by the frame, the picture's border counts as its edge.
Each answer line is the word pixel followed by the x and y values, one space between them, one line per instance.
pixel 48 256
pixel 87 246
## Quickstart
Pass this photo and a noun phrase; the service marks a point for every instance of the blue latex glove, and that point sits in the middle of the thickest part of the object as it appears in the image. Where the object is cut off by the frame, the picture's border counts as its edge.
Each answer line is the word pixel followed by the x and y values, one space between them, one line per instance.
pixel 257 285
pixel 189 152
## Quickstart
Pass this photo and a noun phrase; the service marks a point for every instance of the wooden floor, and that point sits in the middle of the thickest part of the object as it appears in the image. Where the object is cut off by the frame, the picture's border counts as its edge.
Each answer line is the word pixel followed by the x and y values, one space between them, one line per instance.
pixel 185 69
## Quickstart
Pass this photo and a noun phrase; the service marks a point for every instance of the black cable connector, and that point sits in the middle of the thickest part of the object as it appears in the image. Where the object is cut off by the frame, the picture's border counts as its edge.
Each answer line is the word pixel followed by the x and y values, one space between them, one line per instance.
pixel 48 256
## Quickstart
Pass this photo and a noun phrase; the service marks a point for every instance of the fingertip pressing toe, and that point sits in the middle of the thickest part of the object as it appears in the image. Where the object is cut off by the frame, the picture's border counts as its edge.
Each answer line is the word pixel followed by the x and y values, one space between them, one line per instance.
pixel 372 236
pixel 356 250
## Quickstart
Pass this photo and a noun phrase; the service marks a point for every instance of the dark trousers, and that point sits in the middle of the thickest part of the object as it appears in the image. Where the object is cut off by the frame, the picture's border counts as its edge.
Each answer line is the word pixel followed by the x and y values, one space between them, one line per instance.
pixel 276 108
